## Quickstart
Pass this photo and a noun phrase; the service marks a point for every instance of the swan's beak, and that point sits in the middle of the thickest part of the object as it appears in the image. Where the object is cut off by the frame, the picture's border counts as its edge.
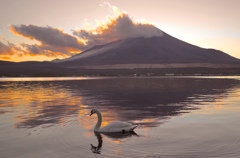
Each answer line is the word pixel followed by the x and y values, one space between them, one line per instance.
pixel 91 113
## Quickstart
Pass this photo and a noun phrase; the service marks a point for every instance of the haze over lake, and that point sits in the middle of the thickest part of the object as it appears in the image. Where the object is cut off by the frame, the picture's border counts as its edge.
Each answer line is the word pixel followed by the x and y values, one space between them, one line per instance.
pixel 176 116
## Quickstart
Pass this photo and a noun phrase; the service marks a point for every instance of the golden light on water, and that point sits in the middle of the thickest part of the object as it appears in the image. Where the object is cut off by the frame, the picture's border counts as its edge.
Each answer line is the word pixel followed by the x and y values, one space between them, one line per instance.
pixel 220 105
pixel 40 103
pixel 117 152
pixel 34 106
pixel 145 120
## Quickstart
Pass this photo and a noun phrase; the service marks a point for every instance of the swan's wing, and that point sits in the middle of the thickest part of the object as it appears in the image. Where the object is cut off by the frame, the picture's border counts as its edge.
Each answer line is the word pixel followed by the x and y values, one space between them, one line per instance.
pixel 118 127
pixel 117 124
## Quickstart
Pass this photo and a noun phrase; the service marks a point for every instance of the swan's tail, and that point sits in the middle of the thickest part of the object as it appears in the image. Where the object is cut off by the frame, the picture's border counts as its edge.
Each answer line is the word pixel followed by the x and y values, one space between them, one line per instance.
pixel 134 126
pixel 130 129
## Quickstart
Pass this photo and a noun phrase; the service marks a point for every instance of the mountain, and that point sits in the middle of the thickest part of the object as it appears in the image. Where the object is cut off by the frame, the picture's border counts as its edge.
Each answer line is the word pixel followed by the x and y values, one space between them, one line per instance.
pixel 155 50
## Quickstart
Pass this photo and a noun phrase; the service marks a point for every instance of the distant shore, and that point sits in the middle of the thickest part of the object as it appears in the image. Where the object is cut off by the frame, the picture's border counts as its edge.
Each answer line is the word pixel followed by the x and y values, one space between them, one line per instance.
pixel 76 72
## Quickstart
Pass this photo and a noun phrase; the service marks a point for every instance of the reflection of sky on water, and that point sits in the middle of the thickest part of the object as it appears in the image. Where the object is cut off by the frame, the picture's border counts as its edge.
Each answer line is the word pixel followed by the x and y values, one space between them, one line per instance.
pixel 148 101
pixel 198 117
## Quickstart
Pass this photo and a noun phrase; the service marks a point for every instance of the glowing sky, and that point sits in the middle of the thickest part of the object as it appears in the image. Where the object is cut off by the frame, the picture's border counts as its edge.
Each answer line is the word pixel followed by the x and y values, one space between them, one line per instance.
pixel 45 30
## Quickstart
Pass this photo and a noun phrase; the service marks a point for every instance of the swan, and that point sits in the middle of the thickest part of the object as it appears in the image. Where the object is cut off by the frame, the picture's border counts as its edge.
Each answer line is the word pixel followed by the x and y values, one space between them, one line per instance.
pixel 113 127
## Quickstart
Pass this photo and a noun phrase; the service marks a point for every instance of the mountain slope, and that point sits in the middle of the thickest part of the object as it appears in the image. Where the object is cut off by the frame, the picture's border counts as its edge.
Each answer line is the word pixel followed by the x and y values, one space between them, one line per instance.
pixel 155 50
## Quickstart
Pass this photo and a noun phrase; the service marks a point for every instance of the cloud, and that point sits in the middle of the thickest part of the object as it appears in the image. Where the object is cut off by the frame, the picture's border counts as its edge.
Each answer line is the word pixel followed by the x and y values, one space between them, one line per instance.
pixel 5 58
pixel 4 49
pixel 8 49
pixel 117 28
pixel 48 51
pixel 48 36
pixel 53 42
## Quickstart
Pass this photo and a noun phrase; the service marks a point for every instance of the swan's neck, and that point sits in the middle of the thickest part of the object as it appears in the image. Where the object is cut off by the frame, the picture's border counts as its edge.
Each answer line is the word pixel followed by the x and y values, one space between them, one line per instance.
pixel 99 122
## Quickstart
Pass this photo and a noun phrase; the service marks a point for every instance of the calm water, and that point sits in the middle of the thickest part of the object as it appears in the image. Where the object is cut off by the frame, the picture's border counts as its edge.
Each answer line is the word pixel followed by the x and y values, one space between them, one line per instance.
pixel 184 117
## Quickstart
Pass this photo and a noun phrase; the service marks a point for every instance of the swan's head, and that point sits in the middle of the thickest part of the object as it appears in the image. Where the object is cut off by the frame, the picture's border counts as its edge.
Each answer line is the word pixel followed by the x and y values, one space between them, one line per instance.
pixel 93 111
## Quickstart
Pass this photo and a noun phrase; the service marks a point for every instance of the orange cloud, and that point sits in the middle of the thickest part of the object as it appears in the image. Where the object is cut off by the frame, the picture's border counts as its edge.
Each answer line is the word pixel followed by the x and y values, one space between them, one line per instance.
pixel 54 42
pixel 49 51
pixel 117 28
pixel 12 52
pixel 5 49
pixel 8 49
pixel 5 58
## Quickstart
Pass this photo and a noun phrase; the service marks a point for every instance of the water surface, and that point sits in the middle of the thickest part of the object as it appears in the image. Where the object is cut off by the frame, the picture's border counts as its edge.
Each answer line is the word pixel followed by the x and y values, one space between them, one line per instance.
pixel 177 117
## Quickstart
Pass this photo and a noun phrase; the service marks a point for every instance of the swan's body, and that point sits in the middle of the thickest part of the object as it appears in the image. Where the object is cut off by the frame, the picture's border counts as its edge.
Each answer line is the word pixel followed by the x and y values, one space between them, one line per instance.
pixel 113 126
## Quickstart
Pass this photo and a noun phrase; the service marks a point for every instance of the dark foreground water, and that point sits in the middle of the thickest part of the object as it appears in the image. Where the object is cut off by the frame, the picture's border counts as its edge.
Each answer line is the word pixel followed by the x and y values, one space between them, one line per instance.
pixel 183 117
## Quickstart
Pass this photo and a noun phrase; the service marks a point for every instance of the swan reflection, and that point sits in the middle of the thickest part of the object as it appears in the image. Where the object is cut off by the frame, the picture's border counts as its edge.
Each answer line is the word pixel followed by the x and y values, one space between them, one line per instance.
pixel 96 149
pixel 112 136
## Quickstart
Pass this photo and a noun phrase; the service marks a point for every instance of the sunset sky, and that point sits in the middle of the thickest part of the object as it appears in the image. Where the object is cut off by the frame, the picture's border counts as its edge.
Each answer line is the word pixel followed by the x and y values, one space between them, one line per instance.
pixel 50 29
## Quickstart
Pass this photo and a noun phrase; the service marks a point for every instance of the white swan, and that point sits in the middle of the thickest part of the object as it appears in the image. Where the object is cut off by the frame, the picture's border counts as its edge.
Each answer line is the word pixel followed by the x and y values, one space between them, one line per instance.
pixel 113 126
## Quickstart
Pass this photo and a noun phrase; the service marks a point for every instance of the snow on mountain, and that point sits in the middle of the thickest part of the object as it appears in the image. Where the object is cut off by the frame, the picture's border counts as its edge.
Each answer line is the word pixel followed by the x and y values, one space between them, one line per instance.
pixel 152 50
pixel 97 50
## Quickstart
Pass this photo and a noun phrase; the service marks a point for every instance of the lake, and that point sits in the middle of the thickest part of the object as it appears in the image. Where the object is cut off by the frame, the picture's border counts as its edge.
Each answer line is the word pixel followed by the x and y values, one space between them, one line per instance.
pixel 183 117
